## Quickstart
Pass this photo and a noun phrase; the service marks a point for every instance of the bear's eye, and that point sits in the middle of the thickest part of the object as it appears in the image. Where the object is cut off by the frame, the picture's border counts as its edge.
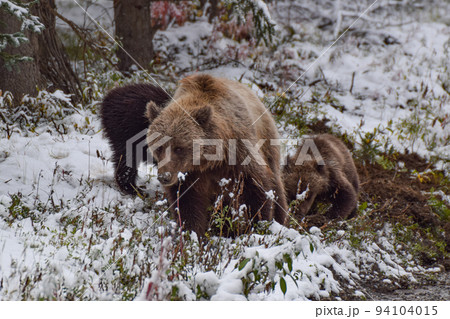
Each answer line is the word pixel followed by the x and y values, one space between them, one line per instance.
pixel 159 150
pixel 178 150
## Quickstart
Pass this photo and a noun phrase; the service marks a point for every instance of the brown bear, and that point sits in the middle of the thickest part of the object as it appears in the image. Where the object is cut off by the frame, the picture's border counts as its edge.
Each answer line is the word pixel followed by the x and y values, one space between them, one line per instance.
pixel 216 128
pixel 122 114
pixel 328 175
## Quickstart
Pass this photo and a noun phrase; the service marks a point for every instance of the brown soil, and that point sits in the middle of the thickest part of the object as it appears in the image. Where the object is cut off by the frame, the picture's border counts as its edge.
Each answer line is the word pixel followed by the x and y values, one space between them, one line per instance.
pixel 397 193
pixel 403 197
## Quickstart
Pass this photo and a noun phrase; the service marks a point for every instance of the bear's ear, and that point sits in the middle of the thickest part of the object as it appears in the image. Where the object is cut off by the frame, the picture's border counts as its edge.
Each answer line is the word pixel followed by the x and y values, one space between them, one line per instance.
pixel 202 115
pixel 202 82
pixel 153 111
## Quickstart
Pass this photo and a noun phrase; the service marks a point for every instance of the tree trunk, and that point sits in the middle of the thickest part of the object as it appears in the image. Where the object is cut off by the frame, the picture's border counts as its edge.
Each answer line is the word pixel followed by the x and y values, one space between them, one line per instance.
pixel 133 29
pixel 53 62
pixel 213 10
pixel 50 68
pixel 25 77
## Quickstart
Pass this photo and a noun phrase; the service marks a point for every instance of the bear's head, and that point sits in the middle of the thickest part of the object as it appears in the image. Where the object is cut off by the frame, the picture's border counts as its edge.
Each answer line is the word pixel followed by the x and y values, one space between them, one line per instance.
pixel 172 134
pixel 310 175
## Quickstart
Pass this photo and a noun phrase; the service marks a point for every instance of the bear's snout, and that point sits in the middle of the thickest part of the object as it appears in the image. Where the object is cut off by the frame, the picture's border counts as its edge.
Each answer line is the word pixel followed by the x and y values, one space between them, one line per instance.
pixel 165 178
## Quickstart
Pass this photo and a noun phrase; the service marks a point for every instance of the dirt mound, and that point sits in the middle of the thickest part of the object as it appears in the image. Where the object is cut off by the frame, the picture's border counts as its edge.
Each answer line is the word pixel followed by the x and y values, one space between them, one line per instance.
pixel 403 195
pixel 414 162
pixel 397 193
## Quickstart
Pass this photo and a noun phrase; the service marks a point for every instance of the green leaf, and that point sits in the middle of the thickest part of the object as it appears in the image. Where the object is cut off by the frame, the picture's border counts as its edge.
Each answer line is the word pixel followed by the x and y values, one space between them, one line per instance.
pixel 243 263
pixel 279 264
pixel 311 247
pixel 288 260
pixel 363 206
pixel 283 285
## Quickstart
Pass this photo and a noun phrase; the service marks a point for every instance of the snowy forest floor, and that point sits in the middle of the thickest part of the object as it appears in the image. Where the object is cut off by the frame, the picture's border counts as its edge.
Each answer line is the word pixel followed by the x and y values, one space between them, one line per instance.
pixel 67 233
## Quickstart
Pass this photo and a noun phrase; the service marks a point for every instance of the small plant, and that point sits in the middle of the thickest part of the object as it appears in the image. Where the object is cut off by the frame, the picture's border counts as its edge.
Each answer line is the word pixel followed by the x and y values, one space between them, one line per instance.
pixel 439 206
pixel 18 210
pixel 385 162
pixel 370 146
pixel 411 129
pixel 256 275
pixel 305 116
pixel 230 219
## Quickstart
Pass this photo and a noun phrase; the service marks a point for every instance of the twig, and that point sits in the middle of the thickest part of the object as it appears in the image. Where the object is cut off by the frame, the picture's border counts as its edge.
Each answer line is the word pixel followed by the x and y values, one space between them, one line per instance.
pixel 353 81
pixel 323 76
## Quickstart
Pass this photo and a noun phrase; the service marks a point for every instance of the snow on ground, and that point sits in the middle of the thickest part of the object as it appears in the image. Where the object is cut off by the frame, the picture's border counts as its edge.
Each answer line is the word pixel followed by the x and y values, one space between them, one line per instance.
pixel 396 81
pixel 67 233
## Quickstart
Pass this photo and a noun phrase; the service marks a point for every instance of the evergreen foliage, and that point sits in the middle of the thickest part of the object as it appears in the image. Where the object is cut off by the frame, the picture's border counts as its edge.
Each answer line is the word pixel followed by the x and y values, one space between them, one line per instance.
pixel 29 22
pixel 264 25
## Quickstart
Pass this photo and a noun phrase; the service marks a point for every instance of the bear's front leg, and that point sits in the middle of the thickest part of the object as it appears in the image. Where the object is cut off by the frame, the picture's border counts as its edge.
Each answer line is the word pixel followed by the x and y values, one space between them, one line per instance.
pixel 281 207
pixel 258 195
pixel 190 207
pixel 344 201
pixel 124 175
pixel 256 199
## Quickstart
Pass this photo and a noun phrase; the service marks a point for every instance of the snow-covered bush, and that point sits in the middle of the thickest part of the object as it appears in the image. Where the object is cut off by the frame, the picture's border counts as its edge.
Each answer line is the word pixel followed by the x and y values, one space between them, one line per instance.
pixel 263 26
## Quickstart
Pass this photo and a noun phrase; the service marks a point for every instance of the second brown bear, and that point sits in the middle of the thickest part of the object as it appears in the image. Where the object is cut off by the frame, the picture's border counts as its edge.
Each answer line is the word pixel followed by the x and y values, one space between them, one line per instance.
pixel 328 175
pixel 122 114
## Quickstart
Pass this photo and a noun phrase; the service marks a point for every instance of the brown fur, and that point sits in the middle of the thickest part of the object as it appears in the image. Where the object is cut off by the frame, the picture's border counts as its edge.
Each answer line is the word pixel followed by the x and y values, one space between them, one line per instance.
pixel 335 182
pixel 206 107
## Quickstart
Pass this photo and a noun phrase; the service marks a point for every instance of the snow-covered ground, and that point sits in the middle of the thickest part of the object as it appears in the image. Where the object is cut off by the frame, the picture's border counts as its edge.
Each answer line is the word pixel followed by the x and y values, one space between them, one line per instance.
pixel 67 233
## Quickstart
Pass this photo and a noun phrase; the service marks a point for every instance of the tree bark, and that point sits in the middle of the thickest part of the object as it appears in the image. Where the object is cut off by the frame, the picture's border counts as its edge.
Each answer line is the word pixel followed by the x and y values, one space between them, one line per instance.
pixel 213 10
pixel 134 31
pixel 50 68
pixel 25 77
pixel 53 61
